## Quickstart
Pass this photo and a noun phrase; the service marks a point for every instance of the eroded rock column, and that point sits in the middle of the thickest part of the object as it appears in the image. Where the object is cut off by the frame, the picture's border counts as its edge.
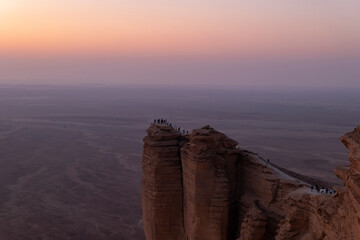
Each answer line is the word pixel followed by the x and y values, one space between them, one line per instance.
pixel 162 185
pixel 209 181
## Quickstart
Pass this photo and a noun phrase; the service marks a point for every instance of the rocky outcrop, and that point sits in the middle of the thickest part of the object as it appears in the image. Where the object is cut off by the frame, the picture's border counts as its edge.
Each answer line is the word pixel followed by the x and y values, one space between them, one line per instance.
pixel 209 161
pixel 253 225
pixel 162 191
pixel 201 186
pixel 322 217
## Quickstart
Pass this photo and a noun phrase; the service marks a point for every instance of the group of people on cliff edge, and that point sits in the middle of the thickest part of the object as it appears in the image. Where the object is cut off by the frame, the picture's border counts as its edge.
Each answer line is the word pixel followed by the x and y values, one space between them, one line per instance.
pixel 165 122
pixel 322 190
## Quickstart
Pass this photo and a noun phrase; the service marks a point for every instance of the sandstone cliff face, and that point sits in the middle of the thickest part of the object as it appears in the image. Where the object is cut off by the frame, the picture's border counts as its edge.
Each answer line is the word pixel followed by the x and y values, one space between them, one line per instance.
pixel 162 192
pixel 209 179
pixel 328 217
pixel 201 187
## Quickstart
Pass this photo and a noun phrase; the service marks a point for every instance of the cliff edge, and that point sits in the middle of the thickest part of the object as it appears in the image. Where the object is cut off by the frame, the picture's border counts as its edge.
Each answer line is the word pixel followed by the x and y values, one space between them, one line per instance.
pixel 201 186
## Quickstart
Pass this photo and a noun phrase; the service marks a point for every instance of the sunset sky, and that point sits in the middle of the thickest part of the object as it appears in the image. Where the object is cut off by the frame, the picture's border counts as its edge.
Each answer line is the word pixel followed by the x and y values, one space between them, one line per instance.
pixel 133 41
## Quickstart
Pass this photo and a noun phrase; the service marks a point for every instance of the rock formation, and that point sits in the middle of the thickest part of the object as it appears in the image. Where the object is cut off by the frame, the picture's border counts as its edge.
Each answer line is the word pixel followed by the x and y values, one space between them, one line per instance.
pixel 200 186
pixel 162 192
pixel 209 161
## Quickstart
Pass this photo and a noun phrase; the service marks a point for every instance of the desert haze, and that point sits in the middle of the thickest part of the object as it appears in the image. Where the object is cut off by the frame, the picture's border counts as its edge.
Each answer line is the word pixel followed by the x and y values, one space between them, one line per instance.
pixel 70 157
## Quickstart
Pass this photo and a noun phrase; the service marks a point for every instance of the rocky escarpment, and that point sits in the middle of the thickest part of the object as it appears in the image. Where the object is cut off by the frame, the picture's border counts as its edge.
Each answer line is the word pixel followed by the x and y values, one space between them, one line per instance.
pixel 162 190
pixel 209 161
pixel 201 186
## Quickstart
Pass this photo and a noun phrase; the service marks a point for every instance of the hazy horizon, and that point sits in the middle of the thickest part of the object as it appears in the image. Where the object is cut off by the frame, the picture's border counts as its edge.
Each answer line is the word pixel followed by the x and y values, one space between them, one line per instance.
pixel 240 73
pixel 193 87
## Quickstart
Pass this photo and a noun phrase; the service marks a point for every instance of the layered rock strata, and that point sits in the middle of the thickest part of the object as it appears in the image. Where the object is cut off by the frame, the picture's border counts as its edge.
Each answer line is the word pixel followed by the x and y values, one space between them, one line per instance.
pixel 162 190
pixel 202 187
pixel 209 163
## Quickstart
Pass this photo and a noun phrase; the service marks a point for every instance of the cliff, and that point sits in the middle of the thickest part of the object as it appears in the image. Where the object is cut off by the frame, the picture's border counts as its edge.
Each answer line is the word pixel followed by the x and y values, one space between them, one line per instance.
pixel 201 186
pixel 162 187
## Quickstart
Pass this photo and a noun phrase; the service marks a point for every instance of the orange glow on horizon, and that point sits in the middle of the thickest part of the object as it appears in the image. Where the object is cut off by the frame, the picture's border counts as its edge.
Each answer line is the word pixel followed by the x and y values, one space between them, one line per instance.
pixel 66 27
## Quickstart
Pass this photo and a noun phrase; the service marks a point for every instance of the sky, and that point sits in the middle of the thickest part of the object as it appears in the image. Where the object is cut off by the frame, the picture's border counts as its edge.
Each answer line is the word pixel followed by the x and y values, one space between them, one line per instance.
pixel 216 42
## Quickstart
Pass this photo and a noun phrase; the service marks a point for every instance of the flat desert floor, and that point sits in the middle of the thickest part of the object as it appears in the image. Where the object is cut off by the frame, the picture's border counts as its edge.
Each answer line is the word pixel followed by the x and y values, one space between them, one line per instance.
pixel 70 158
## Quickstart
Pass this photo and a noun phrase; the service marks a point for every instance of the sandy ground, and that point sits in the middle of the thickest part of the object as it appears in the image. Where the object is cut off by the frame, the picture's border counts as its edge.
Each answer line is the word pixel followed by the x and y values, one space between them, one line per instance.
pixel 68 181
pixel 70 157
